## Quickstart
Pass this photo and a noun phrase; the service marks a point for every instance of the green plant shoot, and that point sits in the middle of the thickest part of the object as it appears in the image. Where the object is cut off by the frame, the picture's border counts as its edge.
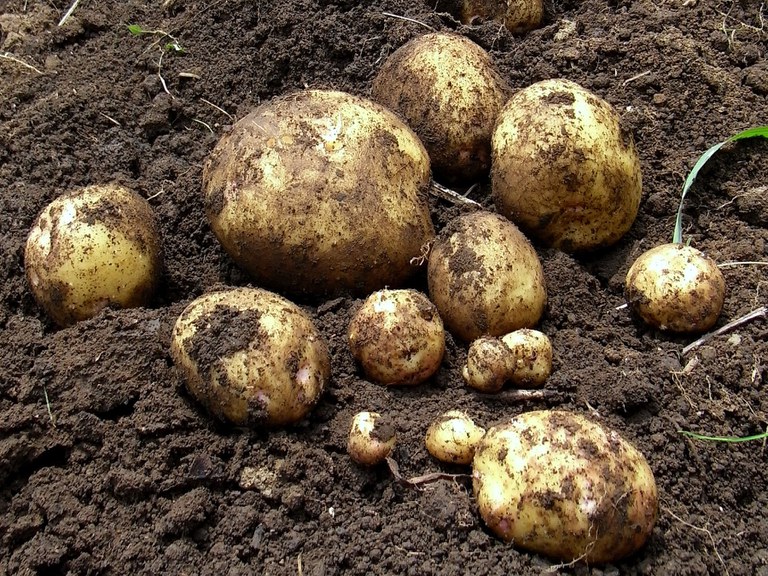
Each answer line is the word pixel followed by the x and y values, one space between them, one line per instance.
pixel 758 131
pixel 729 439
pixel 172 45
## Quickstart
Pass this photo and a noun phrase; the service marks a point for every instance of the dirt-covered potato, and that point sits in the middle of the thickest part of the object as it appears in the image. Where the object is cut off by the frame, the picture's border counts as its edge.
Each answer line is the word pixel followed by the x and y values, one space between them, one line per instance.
pixel 561 485
pixel 397 336
pixel 532 357
pixel 371 438
pixel 453 437
pixel 453 113
pixel 517 15
pixel 320 193
pixel 676 287
pixel 563 167
pixel 91 248
pixel 485 277
pixel 489 364
pixel 251 357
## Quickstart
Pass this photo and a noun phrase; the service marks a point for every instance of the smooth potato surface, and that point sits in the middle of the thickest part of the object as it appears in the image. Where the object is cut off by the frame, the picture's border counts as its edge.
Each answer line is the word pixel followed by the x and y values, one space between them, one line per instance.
pixel 445 87
pixel 485 277
pixel 91 248
pixel 320 193
pixel 561 485
pixel 563 167
pixel 371 439
pixel 532 354
pixel 251 357
pixel 453 437
pixel 517 15
pixel 676 287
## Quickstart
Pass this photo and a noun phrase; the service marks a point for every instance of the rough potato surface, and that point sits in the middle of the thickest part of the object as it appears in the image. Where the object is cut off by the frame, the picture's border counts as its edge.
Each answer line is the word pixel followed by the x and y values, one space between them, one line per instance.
pixel 517 15
pixel 320 193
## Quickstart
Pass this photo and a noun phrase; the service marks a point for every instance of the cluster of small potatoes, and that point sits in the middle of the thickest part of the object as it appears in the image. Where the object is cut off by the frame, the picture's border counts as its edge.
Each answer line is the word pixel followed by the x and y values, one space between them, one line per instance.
pixel 322 193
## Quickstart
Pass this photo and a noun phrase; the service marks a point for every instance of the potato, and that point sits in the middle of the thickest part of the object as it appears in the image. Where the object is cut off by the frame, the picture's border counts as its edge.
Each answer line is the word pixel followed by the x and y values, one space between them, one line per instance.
pixel 91 248
pixel 452 438
pixel 251 357
pixel 558 484
pixel 532 357
pixel 489 364
pixel 320 193
pixel 677 288
pixel 397 336
pixel 371 438
pixel 452 112
pixel 563 167
pixel 517 15
pixel 485 277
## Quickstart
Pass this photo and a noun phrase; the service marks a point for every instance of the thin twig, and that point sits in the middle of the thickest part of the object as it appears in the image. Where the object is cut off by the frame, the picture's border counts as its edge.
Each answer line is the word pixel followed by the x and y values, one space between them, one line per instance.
pixel 408 20
pixel 759 312
pixel 703 530
pixel 115 122
pixel 48 406
pixel 12 58
pixel 204 124
pixel 417 481
pixel 451 195
pixel 522 395
pixel 740 263
pixel 211 104
pixel 69 12
pixel 636 77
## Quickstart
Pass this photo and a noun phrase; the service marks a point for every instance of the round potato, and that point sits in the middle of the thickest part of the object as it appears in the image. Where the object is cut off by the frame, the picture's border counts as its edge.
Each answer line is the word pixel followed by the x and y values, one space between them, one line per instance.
pixel 563 167
pixel 489 364
pixel 676 287
pixel 453 113
pixel 558 484
pixel 398 337
pixel 452 438
pixel 371 438
pixel 517 15
pixel 251 357
pixel 532 357
pixel 485 277
pixel 91 248
pixel 320 193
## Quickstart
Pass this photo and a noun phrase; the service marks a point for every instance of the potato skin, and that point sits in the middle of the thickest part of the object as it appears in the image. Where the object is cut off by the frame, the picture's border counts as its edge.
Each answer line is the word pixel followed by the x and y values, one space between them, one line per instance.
pixel 485 277
pixel 320 193
pixel 372 438
pixel 91 248
pixel 489 364
pixel 250 357
pixel 453 437
pixel 452 113
pixel 676 287
pixel 563 168
pixel 532 354
pixel 558 484
pixel 398 337
pixel 517 15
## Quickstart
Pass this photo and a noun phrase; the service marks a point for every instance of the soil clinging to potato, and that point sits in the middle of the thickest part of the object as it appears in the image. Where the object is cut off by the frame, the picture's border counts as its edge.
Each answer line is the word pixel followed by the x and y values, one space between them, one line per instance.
pixel 107 464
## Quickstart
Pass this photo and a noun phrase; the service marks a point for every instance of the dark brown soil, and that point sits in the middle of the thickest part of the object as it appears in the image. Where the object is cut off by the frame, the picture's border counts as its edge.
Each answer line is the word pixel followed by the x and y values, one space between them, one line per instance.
pixel 120 472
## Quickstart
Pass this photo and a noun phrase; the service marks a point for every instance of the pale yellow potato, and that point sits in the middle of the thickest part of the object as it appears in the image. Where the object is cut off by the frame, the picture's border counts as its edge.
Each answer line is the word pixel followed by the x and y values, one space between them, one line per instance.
pixel 453 437
pixel 91 248
pixel 397 336
pixel 485 277
pixel 447 90
pixel 517 15
pixel 371 438
pixel 559 484
pixel 675 287
pixel 251 357
pixel 532 357
pixel 563 167
pixel 320 193
pixel 489 364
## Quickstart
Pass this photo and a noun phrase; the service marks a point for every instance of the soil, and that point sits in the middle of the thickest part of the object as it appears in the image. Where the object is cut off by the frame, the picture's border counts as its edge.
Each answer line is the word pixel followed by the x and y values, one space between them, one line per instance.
pixel 107 466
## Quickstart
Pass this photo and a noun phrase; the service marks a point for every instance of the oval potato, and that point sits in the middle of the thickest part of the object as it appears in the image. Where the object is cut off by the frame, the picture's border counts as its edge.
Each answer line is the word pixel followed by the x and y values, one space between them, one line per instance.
pixel 251 357
pixel 489 364
pixel 517 15
pixel 453 437
pixel 561 485
pixel 532 357
pixel 371 438
pixel 320 193
pixel 91 248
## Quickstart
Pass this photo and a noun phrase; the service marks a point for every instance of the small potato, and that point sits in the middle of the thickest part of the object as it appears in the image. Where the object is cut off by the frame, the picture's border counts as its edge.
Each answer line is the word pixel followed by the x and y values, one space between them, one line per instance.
pixel 563 167
pixel 558 484
pixel 453 437
pixel 251 357
pixel 320 193
pixel 489 365
pixel 452 113
pixel 676 287
pixel 398 337
pixel 485 277
pixel 91 248
pixel 517 15
pixel 371 438
pixel 532 352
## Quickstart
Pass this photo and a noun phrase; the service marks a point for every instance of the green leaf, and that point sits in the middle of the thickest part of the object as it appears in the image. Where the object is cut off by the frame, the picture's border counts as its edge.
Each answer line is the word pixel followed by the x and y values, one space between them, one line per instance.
pixel 757 131
pixel 729 439
pixel 135 29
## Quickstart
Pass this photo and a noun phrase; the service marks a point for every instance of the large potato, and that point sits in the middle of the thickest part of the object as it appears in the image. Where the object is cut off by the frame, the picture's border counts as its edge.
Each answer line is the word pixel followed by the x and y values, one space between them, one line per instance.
pixel 446 88
pixel 251 357
pixel 676 287
pixel 485 277
pixel 563 167
pixel 91 248
pixel 320 193
pixel 559 484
